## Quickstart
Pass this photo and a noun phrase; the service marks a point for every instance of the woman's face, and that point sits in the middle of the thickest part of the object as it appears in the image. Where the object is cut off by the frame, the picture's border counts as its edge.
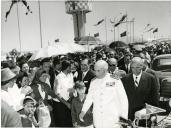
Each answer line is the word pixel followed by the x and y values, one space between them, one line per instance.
pixel 43 77
pixel 25 68
pixel 25 81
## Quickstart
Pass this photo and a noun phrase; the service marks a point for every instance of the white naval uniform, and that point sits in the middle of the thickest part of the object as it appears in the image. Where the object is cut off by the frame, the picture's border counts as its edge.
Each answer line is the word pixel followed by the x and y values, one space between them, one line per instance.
pixel 109 101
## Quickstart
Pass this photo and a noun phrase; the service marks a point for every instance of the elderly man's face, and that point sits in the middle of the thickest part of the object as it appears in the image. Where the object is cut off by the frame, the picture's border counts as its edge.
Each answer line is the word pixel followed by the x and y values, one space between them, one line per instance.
pixel 136 68
pixel 100 72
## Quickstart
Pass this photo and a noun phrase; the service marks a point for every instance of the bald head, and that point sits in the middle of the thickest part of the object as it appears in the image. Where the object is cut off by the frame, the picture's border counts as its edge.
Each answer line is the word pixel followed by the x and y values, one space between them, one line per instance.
pixel 112 61
pixel 101 68
pixel 101 64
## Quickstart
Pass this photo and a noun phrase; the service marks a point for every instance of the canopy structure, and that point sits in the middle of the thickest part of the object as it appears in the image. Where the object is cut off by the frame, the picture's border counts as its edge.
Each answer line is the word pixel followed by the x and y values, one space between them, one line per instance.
pixel 49 51
pixel 72 46
pixel 57 49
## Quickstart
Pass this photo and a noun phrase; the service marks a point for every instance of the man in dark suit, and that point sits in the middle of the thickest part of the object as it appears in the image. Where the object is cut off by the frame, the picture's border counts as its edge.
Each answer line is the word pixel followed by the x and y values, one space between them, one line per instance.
pixel 152 72
pixel 85 75
pixel 140 88
pixel 124 63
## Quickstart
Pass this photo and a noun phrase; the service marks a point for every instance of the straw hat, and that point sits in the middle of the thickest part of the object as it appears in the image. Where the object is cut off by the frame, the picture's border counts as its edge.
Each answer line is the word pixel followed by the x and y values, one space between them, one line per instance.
pixel 6 76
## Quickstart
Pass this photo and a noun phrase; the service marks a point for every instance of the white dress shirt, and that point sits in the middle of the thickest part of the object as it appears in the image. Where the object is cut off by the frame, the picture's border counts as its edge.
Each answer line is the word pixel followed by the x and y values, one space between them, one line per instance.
pixel 63 85
pixel 138 78
pixel 109 101
pixel 16 96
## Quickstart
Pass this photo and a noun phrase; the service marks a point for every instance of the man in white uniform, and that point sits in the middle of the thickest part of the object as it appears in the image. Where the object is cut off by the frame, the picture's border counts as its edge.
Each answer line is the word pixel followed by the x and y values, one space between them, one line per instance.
pixel 108 97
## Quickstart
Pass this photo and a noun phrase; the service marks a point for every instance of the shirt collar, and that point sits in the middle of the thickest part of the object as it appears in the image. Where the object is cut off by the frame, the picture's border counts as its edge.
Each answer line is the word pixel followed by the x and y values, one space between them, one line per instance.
pixel 139 76
pixel 85 72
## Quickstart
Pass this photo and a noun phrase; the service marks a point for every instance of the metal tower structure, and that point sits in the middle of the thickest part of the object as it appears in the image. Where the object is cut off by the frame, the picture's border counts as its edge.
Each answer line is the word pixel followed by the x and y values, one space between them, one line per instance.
pixel 78 10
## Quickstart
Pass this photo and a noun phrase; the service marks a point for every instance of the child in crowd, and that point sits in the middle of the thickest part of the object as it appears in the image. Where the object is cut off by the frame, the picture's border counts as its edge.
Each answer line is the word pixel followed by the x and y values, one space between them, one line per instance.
pixel 76 107
pixel 27 113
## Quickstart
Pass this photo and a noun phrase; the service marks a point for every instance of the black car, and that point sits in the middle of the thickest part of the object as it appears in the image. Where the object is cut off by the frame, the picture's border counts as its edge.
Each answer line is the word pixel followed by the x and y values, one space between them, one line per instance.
pixel 162 65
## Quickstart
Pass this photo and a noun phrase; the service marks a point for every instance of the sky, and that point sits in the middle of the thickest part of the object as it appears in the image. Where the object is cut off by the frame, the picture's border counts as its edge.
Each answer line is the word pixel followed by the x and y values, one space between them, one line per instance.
pixel 56 23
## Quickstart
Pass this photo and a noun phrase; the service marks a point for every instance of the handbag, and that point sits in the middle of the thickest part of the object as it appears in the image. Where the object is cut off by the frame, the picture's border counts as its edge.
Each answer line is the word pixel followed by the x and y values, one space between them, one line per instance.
pixel 44 118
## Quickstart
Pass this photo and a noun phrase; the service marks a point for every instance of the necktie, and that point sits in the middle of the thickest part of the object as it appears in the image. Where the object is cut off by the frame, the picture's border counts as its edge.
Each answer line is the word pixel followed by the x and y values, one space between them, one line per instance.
pixel 82 76
pixel 136 81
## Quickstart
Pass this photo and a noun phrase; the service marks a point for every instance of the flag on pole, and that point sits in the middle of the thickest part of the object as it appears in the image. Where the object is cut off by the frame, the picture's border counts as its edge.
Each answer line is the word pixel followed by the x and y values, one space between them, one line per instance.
pixel 123 18
pixel 117 24
pixel 150 29
pixel 99 22
pixel 153 110
pixel 123 34
pixel 57 40
pixel 147 26
pixel 155 30
pixel 96 34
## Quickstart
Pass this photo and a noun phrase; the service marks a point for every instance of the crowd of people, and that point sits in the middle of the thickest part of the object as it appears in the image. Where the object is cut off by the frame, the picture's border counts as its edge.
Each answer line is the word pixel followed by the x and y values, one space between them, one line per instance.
pixel 92 89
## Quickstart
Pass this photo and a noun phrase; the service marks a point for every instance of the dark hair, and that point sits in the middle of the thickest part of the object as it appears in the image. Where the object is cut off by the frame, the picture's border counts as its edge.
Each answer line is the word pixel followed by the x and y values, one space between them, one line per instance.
pixel 56 61
pixel 21 64
pixel 65 64
pixel 44 60
pixel 89 61
pixel 20 78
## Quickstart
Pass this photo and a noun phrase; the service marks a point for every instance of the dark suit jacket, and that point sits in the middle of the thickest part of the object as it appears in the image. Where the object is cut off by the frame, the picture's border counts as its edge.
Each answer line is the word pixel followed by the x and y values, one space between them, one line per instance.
pixel 87 78
pixel 152 72
pixel 146 92
pixel 121 65
pixel 47 90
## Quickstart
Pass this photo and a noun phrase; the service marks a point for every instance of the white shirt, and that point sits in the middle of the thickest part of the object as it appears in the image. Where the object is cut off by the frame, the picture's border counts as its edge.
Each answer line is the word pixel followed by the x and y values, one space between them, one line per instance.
pixel 138 77
pixel 16 96
pixel 63 85
pixel 42 93
pixel 84 74
pixel 109 101
pixel 7 98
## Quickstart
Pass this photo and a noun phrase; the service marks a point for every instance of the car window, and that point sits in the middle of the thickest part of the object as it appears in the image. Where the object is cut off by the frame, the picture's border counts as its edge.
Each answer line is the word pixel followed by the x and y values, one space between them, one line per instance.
pixel 164 62
pixel 161 64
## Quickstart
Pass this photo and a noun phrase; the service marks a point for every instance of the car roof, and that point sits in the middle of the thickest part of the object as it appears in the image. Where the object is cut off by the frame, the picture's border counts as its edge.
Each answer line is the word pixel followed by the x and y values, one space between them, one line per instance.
pixel 163 56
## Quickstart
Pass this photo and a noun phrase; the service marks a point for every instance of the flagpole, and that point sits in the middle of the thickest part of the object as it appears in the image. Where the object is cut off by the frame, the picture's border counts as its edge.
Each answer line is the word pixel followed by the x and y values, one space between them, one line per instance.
pixel 127 26
pixel 40 25
pixel 114 31
pixel 118 33
pixel 130 31
pixel 19 27
pixel 106 29
pixel 133 31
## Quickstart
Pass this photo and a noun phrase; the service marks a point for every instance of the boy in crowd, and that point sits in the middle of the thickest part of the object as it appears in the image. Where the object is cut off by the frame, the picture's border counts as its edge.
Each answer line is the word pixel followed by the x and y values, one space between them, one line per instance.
pixel 27 113
pixel 76 107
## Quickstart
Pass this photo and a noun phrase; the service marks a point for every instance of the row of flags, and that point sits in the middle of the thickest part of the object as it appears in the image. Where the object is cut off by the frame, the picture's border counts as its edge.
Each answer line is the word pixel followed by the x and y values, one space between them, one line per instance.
pixel 148 28
pixel 123 18
pixel 121 35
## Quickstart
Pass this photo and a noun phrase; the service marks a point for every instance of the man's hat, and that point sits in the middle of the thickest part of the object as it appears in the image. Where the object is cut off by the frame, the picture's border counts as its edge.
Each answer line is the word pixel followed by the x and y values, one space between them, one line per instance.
pixel 6 76
pixel 29 99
